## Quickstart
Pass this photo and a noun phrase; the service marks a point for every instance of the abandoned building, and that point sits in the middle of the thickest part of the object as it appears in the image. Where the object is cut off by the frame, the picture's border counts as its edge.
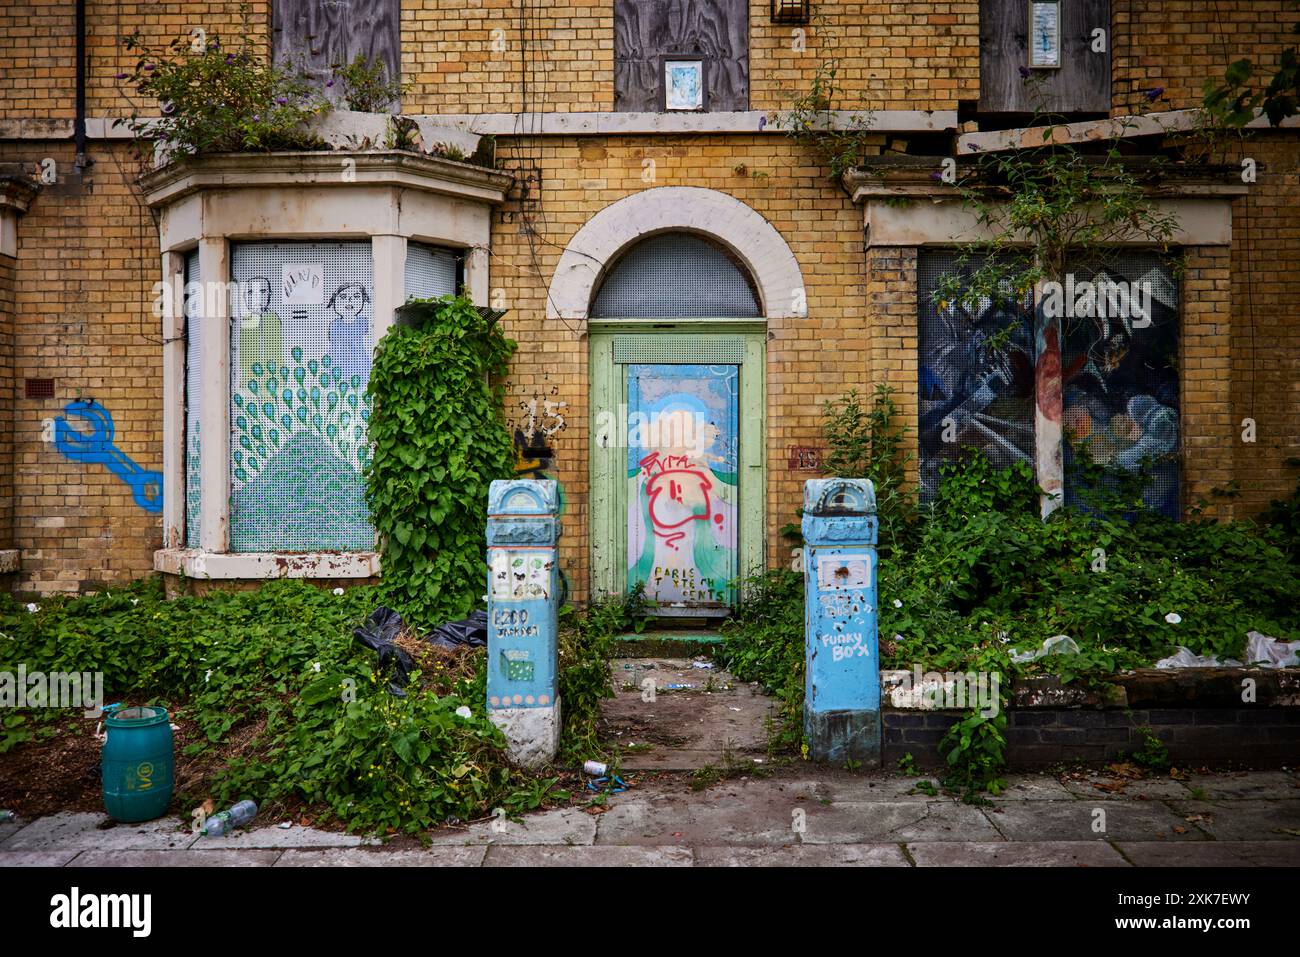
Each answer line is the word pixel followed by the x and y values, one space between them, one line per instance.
pixel 666 253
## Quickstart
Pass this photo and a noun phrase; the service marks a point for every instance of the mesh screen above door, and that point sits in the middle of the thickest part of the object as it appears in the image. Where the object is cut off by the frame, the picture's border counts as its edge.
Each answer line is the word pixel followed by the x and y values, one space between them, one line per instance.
pixel 430 272
pixel 676 276
pixel 193 396
pixel 301 346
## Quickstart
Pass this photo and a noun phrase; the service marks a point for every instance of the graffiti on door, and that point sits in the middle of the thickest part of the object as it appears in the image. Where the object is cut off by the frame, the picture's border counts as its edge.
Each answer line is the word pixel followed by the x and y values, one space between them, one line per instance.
pixel 682 482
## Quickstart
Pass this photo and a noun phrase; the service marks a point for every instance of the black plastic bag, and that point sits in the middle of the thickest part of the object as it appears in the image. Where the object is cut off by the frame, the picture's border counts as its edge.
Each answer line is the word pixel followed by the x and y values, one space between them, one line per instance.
pixel 470 632
pixel 380 634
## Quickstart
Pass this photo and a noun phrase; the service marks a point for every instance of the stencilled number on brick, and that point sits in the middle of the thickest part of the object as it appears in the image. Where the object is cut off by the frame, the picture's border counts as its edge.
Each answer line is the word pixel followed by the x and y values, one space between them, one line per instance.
pixel 798 40
pixel 47 431
pixel 648 174
pixel 498 40
pixel 498 299
pixel 1248 429
pixel 1248 167
pixel 49 173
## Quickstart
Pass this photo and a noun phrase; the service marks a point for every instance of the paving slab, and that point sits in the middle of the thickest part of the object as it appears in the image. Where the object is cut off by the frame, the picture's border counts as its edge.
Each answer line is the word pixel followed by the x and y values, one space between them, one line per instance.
pixel 1253 785
pixel 1102 786
pixel 1033 787
pixel 1010 854
pixel 1213 854
pixel 278 837
pixel 36 858
pixel 902 821
pixel 82 831
pixel 699 819
pixel 1074 820
pixel 803 855
pixel 383 857
pixel 175 858
pixel 558 826
pixel 591 856
pixel 1244 820
pixel 9 828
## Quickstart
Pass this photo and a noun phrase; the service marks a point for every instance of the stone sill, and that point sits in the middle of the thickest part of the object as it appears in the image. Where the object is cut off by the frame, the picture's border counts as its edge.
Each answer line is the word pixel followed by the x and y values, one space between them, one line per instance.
pixel 231 566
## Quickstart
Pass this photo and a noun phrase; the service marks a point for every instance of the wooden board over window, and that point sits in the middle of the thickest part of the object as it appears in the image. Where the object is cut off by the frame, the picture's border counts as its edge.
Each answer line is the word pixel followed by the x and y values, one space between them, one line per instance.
pixel 321 33
pixel 648 31
pixel 1081 84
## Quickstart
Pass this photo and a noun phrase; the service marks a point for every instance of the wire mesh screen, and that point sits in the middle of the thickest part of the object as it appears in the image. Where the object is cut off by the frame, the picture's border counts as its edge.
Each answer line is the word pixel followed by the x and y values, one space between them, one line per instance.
pixel 193 398
pixel 430 272
pixel 974 392
pixel 1119 326
pixel 301 346
pixel 675 276
pixel 1120 375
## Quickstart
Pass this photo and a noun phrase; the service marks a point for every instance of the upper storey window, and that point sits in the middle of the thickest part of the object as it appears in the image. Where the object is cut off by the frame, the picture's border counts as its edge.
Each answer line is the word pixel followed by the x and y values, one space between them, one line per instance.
pixel 681 55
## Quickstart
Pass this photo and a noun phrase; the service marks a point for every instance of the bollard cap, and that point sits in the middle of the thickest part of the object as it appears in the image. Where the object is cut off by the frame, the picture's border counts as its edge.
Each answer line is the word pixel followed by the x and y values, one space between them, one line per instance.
pixel 839 496
pixel 523 497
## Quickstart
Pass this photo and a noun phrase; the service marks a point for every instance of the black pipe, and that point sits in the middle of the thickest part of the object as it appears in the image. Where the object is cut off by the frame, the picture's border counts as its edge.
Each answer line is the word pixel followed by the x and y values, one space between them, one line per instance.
pixel 79 129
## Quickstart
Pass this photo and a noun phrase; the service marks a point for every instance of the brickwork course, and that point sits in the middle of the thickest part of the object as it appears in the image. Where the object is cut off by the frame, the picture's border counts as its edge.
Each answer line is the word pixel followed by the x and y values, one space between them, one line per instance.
pixel 75 301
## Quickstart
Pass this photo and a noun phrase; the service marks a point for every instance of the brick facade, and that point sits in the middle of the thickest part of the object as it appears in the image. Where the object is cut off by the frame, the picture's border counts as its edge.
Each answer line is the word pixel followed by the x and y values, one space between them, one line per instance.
pixel 79 291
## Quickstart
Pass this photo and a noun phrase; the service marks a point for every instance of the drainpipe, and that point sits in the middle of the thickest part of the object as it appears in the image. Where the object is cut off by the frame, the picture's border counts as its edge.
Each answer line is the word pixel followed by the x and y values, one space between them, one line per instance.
pixel 79 129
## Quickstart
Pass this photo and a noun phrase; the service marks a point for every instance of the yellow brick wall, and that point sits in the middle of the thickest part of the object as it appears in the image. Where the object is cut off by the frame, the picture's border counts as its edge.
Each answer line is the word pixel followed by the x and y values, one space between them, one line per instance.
pixel 82 286
pixel 38 50
pixel 9 392
pixel 1178 44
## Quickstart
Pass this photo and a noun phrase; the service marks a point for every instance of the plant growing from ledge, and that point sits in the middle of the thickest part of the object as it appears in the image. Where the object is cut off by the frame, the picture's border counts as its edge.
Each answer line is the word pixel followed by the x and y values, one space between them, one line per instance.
pixel 366 87
pixel 219 98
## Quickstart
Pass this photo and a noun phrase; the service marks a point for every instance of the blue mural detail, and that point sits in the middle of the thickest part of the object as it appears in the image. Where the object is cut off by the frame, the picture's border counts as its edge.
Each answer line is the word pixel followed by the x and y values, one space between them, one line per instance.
pixel 96 447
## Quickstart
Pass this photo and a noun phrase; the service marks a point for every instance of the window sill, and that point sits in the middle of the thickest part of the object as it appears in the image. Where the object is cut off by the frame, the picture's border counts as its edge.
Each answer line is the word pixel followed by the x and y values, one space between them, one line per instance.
pixel 195 563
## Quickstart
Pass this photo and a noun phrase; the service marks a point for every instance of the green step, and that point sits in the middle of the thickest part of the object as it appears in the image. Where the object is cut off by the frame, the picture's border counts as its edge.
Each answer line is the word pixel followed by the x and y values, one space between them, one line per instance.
pixel 664 643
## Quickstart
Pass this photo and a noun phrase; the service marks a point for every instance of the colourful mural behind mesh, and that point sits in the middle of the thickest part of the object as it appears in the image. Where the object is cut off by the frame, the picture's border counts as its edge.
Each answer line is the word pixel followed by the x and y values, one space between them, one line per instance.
pixel 683 429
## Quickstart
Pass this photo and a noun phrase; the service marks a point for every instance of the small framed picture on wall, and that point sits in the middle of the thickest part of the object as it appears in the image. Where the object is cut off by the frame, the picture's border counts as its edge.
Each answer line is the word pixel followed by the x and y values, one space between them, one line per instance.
pixel 1044 34
pixel 683 84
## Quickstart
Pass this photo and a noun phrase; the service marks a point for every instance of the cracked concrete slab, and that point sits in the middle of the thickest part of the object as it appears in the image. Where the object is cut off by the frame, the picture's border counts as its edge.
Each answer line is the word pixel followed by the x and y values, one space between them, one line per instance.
pixel 902 821
pixel 1214 854
pixel 1074 821
pixel 1033 787
pixel 1254 820
pixel 1103 786
pixel 561 826
pixel 698 819
pixel 383 857
pixel 589 856
pixel 1009 854
pixel 803 855
pixel 82 830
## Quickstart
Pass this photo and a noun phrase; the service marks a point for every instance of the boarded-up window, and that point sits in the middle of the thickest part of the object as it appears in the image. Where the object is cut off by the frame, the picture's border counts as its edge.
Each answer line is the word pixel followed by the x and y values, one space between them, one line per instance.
pixel 1119 376
pixel 648 32
pixel 301 346
pixel 316 35
pixel 1081 83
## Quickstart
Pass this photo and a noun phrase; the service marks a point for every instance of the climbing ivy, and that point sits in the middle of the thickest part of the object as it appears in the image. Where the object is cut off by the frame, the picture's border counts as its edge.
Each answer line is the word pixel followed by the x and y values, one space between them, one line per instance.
pixel 439 440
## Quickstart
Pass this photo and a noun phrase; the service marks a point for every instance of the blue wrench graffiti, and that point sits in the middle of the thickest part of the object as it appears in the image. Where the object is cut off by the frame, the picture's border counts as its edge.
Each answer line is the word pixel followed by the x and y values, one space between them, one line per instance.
pixel 97 446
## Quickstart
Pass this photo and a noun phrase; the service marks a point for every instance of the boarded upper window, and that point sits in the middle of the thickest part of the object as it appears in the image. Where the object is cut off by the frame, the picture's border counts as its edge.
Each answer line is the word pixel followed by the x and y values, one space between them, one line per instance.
pixel 658 38
pixel 317 35
pixel 676 276
pixel 1063 44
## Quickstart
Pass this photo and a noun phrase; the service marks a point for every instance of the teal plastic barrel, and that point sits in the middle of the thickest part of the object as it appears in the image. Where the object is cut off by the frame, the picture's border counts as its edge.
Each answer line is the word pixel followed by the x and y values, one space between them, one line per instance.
pixel 138 764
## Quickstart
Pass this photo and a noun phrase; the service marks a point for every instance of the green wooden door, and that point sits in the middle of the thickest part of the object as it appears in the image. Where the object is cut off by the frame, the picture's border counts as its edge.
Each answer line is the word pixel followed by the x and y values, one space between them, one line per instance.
pixel 677 471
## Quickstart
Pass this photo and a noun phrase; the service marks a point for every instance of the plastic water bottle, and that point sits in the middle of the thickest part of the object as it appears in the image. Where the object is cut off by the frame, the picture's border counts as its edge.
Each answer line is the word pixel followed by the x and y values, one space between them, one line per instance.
pixel 226 821
pixel 7 816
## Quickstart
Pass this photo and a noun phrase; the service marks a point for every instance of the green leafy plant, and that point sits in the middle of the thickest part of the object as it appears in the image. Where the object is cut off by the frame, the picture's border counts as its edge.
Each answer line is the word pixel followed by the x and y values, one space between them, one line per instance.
pixel 439 441
pixel 812 122
pixel 365 85
pixel 867 442
pixel 216 97
pixel 1153 754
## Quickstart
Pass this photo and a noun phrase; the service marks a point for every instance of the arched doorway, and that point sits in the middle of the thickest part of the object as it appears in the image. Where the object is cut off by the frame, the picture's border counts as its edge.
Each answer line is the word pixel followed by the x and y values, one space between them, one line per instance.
pixel 677 363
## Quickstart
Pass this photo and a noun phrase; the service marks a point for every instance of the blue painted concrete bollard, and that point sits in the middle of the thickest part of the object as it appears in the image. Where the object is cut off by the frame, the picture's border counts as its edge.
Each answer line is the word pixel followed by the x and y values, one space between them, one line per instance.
pixel 842 651
pixel 523 529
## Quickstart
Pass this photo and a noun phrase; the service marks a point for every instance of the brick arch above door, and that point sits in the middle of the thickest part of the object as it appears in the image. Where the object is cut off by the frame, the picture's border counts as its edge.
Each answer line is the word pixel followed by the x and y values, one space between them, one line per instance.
pixel 599 243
